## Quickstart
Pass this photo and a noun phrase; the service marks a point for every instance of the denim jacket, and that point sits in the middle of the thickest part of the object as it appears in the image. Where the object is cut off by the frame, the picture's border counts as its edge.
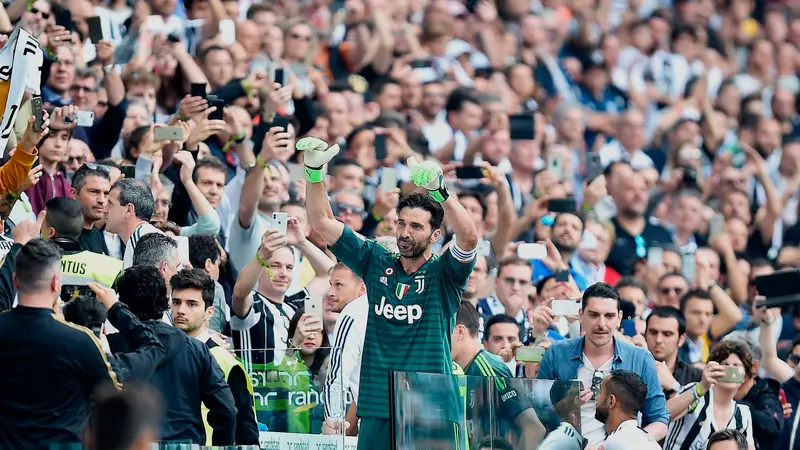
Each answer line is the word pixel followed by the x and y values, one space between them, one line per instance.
pixel 563 358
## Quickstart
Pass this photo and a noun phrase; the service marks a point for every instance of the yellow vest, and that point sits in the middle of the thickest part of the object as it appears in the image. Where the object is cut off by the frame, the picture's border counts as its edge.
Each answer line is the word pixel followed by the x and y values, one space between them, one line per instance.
pixel 226 362
pixel 78 268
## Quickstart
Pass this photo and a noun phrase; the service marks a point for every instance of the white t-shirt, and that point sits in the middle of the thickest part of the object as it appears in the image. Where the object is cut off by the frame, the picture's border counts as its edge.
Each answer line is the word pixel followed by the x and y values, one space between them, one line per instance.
pixel 593 430
pixel 565 437
pixel 628 435
pixel 140 230
pixel 344 370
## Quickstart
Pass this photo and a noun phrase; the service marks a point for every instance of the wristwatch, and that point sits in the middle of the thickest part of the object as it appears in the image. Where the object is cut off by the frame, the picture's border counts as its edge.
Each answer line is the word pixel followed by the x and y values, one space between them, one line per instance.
pixel 248 167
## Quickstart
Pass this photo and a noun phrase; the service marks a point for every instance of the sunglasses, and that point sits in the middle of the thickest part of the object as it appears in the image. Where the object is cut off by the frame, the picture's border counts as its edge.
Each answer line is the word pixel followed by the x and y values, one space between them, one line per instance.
pixel 100 167
pixel 346 208
pixel 45 15
pixel 792 358
pixel 597 380
pixel 667 290
pixel 77 159
pixel 512 281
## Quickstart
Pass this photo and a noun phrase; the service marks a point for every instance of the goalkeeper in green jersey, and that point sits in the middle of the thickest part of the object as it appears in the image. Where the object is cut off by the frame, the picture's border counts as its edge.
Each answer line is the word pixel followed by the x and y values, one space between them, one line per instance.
pixel 413 296
pixel 513 411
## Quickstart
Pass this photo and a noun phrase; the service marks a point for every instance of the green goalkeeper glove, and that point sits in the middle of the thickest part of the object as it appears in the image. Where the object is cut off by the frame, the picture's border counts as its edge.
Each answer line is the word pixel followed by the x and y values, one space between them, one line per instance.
pixel 428 175
pixel 317 154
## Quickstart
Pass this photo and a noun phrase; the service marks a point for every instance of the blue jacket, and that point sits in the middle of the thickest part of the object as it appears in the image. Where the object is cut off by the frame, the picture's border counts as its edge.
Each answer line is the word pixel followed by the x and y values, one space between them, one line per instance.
pixel 563 358
pixel 792 390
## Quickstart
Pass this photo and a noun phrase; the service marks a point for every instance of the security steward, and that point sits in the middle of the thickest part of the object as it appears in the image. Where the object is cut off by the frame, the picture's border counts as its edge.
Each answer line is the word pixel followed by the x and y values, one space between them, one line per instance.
pixel 62 222
pixel 52 367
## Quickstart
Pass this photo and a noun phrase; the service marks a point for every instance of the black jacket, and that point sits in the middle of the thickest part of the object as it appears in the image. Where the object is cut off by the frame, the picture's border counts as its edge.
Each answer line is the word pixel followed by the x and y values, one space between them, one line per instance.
pixel 141 363
pixel 187 377
pixel 246 425
pixel 767 412
pixel 50 371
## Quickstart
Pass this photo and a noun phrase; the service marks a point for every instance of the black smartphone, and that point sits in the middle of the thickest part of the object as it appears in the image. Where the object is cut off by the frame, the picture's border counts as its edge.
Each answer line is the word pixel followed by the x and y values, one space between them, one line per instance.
pixel 421 63
pixel 64 18
pixel 561 205
pixel 174 38
pixel 521 127
pixel 469 172
pixel 280 77
pixel 36 107
pixel 280 122
pixel 259 133
pixel 471 6
pixel 128 171
pixel 562 276
pixel 219 104
pixel 380 147
pixel 594 167
pixel 95 29
pixel 198 90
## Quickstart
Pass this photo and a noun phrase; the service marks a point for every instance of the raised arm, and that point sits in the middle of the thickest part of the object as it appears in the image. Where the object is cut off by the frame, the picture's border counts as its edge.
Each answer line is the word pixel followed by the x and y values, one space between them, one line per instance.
pixel 774 366
pixel 320 216
pixel 430 176
pixel 248 277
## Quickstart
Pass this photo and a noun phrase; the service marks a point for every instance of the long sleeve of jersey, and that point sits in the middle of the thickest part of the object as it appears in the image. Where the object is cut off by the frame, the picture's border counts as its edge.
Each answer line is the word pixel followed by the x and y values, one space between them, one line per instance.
pixel 345 359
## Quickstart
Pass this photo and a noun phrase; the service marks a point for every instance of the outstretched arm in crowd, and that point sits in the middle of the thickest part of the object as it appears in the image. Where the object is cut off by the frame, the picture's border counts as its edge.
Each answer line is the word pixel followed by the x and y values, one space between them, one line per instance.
pixel 318 259
pixel 774 366
pixel 248 277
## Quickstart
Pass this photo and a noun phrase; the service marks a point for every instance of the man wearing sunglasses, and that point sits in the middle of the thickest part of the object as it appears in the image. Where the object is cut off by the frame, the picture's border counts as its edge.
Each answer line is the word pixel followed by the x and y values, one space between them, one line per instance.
pixel 591 358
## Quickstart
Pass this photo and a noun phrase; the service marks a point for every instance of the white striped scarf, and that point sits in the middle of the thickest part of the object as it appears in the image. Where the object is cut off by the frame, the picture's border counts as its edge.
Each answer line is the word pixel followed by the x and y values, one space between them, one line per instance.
pixel 21 52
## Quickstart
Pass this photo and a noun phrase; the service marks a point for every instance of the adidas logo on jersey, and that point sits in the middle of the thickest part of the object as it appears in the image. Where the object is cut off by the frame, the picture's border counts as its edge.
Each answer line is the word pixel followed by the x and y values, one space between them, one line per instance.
pixel 408 313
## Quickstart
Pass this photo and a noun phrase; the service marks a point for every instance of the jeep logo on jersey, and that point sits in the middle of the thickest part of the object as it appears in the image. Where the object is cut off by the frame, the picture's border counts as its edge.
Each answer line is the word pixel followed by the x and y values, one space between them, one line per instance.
pixel 400 290
pixel 408 313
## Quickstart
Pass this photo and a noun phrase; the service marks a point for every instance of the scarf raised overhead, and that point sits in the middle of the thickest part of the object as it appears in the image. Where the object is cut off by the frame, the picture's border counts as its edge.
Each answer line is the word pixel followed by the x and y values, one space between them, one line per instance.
pixel 20 71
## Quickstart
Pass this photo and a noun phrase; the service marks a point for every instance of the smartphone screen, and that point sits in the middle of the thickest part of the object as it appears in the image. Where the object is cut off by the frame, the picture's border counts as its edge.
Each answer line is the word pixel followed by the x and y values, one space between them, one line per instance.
pixel 95 29
pixel 380 147
pixel 594 167
pixel 281 122
pixel 469 172
pixel 559 205
pixel 198 90
pixel 628 327
pixel 280 76
pixel 128 171
pixel 521 127
pixel 219 104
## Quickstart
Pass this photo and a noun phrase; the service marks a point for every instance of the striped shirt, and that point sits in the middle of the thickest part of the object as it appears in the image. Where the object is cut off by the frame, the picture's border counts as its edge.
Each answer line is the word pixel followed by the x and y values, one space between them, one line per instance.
pixel 344 371
pixel 140 230
pixel 565 437
pixel 262 332
pixel 691 432
pixel 629 435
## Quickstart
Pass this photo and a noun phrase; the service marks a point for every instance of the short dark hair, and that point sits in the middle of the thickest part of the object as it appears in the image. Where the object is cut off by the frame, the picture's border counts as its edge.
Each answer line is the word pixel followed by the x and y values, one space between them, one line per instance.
pixel 195 279
pixel 210 162
pixel 341 163
pixel 495 320
pixel 468 316
pixel 65 215
pixel 630 281
pixel 119 418
pixel 694 293
pixel 629 389
pixel 153 249
pixel 144 290
pixel 35 263
pixel 86 312
pixel 203 247
pixel 83 172
pixel 724 349
pixel 424 202
pixel 600 290
pixel 212 48
pixel 672 274
pixel 459 97
pixel 728 435
pixel 479 198
pixel 512 261
pixel 138 194
pixel 668 312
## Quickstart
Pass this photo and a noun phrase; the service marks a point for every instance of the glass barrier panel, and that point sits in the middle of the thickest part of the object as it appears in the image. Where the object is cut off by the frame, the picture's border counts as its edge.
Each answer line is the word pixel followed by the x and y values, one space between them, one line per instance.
pixel 293 396
pixel 467 412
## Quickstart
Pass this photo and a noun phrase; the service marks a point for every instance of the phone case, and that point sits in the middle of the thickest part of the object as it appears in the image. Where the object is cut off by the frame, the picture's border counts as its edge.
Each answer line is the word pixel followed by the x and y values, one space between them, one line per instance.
pixel 280 221
pixel 532 251
pixel 565 307
pixel 95 29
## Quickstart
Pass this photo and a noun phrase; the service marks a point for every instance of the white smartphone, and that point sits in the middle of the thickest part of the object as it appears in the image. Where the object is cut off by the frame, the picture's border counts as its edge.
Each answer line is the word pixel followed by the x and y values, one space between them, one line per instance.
pixel 388 178
pixel 529 354
pixel 313 306
pixel 689 267
pixel 716 225
pixel 183 248
pixel 85 118
pixel 280 221
pixel 484 247
pixel 532 251
pixel 655 256
pixel 566 307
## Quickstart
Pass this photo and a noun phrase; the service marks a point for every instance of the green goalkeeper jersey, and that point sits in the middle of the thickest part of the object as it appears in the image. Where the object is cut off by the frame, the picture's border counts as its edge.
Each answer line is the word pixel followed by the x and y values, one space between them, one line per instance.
pixel 411 316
